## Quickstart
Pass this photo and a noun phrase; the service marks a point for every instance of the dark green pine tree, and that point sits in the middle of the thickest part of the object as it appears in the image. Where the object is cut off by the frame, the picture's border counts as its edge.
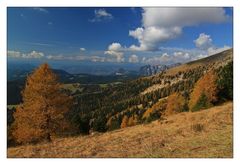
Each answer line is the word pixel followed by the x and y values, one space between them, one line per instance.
pixel 225 82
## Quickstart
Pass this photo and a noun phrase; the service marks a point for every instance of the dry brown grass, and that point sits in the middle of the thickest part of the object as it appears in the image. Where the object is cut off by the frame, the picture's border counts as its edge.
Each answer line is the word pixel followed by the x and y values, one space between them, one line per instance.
pixel 207 133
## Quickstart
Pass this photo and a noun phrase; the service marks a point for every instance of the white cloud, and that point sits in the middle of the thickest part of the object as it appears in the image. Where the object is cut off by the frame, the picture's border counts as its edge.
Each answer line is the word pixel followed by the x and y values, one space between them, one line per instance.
pixel 33 54
pixel 101 15
pixel 13 54
pixel 213 50
pixel 82 49
pixel 117 55
pixel 181 55
pixel 76 58
pixel 133 59
pixel 150 37
pixel 64 57
pixel 55 57
pixel 162 24
pixel 182 16
pixel 200 56
pixel 174 57
pixel 115 50
pixel 203 42
pixel 165 58
pixel 97 59
pixel 115 47
pixel 137 33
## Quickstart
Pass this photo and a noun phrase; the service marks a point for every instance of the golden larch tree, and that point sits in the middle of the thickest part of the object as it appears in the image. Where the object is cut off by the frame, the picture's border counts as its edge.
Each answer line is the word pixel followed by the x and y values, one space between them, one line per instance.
pixel 204 87
pixel 124 122
pixel 175 104
pixel 132 120
pixel 44 105
pixel 157 108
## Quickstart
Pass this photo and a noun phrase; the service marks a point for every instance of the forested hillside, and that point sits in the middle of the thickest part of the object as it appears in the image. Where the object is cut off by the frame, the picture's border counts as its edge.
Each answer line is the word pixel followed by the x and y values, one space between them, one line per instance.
pixel 145 99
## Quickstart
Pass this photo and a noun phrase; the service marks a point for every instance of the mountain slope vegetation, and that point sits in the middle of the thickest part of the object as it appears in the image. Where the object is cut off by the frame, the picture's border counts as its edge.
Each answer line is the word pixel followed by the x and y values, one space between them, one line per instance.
pixel 206 133
pixel 106 107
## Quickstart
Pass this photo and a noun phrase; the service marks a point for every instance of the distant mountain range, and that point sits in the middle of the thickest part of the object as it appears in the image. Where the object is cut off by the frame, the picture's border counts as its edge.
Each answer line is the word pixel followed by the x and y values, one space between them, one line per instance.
pixel 146 70
pixel 20 71
pixel 149 70
pixel 16 77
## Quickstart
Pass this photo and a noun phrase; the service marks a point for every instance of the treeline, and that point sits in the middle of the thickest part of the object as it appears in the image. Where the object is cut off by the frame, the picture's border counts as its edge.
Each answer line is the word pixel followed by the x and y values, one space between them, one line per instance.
pixel 116 106
pixel 105 111
pixel 214 87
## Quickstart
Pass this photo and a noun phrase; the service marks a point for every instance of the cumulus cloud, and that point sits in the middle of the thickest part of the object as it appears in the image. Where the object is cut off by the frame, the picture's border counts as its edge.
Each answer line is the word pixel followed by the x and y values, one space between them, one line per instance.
pixel 101 15
pixel 182 16
pixel 203 42
pixel 133 59
pixel 117 55
pixel 162 24
pixel 151 36
pixel 115 47
pixel 115 50
pixel 33 54
pixel 82 49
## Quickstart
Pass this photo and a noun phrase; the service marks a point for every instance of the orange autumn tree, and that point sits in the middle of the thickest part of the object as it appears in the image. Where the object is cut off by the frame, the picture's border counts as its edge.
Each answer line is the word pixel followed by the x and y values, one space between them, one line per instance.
pixel 175 104
pixel 132 120
pixel 124 122
pixel 44 105
pixel 156 110
pixel 204 92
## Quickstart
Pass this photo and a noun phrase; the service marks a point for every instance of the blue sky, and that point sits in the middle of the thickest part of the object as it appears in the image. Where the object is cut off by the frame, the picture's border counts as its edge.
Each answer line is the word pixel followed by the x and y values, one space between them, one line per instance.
pixel 122 35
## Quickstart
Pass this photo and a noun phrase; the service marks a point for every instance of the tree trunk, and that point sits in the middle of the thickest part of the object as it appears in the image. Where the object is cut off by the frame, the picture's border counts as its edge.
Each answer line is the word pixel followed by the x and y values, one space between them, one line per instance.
pixel 49 137
pixel 48 128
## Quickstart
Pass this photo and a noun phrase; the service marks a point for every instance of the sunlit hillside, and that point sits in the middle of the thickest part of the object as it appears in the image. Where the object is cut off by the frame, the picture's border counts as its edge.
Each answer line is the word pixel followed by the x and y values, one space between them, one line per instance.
pixel 207 133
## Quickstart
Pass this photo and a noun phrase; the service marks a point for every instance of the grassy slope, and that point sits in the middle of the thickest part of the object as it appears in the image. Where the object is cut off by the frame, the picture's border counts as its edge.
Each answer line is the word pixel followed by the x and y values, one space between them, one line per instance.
pixel 206 133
